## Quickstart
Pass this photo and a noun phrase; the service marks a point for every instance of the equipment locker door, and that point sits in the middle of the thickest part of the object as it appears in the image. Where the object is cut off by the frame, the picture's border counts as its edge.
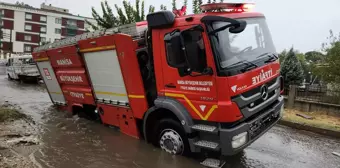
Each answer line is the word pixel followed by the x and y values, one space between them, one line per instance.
pixel 51 82
pixel 106 76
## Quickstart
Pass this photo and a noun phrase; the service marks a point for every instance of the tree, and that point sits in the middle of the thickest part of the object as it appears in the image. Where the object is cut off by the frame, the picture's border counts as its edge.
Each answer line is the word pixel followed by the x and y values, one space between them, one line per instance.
pixel 185 3
pixel 151 9
pixel 107 20
pixel 291 69
pixel 173 4
pixel 282 56
pixel 329 68
pixel 163 7
pixel 196 6
pixel 314 57
pixel 127 14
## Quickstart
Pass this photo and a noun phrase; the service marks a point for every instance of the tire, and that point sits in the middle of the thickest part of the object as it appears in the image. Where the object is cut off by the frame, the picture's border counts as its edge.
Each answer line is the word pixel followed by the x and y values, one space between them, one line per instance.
pixel 169 132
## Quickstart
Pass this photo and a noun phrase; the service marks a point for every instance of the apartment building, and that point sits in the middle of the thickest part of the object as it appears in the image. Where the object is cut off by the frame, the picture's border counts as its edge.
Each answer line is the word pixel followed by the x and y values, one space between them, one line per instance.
pixel 24 27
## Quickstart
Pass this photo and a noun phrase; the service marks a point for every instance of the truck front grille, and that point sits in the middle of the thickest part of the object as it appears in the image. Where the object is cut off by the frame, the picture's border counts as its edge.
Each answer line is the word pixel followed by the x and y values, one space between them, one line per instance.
pixel 251 102
pixel 257 89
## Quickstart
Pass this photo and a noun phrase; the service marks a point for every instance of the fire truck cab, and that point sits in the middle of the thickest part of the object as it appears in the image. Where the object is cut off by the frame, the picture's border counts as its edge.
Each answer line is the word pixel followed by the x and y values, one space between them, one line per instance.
pixel 200 83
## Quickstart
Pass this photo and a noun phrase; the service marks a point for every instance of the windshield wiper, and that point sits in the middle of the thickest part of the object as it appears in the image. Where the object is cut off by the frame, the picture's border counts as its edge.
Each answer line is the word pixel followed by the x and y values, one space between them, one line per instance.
pixel 271 57
pixel 248 65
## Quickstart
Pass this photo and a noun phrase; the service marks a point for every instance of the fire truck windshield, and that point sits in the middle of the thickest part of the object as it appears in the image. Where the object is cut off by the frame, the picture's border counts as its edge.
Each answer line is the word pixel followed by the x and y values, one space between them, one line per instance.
pixel 246 46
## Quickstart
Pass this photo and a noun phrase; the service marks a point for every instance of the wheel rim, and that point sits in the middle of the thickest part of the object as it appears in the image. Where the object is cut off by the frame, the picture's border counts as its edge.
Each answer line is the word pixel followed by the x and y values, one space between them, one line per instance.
pixel 171 142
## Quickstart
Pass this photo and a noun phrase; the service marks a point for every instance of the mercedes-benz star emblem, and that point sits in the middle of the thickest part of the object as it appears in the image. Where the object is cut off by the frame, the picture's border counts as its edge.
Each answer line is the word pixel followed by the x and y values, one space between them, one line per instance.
pixel 264 92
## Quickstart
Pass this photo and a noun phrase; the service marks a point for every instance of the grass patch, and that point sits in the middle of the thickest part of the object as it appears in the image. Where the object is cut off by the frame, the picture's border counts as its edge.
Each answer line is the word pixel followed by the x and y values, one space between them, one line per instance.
pixel 10 114
pixel 320 119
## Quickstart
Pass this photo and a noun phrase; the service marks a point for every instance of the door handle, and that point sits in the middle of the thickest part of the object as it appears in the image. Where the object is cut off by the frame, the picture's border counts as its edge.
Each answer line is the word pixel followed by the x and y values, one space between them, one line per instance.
pixel 170 85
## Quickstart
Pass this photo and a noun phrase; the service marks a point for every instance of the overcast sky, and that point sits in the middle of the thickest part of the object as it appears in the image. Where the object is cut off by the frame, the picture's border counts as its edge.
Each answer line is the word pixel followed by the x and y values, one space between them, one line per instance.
pixel 304 24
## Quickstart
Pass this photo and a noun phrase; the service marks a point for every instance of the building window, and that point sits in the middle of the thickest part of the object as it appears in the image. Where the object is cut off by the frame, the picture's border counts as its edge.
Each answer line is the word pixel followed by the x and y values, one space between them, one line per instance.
pixel 2 45
pixel 1 23
pixel 28 16
pixel 71 22
pixel 71 32
pixel 27 48
pixel 2 12
pixel 43 29
pixel 28 38
pixel 28 27
pixel 57 31
pixel 42 39
pixel 43 18
pixel 58 20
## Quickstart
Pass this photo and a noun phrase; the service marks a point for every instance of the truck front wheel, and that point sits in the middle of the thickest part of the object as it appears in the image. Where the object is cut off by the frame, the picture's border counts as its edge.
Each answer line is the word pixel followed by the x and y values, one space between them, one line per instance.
pixel 172 138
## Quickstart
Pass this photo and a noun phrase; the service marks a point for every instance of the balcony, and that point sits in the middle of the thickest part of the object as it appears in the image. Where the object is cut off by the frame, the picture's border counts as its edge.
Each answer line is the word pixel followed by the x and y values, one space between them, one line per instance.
pixel 71 26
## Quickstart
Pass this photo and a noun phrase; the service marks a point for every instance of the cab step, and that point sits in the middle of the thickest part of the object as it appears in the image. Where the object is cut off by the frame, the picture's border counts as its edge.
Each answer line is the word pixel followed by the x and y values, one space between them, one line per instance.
pixel 207 144
pixel 206 128
pixel 213 163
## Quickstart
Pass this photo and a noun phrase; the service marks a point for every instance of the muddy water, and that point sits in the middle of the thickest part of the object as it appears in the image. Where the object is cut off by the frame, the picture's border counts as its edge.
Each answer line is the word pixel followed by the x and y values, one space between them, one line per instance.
pixel 71 142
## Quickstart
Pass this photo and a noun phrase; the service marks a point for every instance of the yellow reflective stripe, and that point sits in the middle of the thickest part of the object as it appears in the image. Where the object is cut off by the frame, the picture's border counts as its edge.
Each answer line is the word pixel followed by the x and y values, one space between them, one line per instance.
pixel 192 106
pixel 41 59
pixel 88 94
pixel 111 93
pixel 55 92
pixel 98 48
pixel 137 96
pixel 121 94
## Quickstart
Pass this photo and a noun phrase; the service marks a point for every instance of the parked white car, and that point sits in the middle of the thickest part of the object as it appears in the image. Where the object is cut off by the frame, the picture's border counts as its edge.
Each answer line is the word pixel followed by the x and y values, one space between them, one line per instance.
pixel 22 68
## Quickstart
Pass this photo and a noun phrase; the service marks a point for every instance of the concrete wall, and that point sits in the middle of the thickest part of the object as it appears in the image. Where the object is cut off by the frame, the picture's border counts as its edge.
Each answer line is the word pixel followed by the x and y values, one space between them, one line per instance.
pixel 309 106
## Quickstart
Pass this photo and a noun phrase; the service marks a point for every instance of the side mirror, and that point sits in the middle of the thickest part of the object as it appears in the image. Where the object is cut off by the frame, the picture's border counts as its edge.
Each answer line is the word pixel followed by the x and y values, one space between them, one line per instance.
pixel 175 55
pixel 239 27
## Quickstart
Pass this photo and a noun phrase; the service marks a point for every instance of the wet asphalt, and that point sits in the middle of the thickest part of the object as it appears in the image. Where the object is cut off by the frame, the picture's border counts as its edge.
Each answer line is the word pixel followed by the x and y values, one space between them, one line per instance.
pixel 72 142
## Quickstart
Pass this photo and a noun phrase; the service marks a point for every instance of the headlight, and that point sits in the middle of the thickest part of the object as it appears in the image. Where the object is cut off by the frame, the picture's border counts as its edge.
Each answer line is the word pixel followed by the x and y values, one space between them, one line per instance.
pixel 239 140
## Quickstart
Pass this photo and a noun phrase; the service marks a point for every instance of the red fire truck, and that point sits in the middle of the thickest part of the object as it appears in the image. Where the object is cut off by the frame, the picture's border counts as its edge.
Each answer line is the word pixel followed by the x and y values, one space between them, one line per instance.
pixel 199 83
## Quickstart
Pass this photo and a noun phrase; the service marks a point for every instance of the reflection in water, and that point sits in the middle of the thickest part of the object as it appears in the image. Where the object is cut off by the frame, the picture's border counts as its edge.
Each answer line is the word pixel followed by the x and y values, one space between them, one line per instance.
pixel 81 143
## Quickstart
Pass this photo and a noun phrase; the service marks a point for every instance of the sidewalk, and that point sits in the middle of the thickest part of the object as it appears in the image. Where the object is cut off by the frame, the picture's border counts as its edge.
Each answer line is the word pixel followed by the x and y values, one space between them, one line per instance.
pixel 319 122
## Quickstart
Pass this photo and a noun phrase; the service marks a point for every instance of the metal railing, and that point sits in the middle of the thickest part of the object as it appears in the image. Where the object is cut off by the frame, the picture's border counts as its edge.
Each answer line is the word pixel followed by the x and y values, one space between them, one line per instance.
pixel 132 29
pixel 318 94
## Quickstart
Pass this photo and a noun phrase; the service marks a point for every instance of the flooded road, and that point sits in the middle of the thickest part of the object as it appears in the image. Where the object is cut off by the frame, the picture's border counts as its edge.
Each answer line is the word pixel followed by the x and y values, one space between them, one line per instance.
pixel 72 142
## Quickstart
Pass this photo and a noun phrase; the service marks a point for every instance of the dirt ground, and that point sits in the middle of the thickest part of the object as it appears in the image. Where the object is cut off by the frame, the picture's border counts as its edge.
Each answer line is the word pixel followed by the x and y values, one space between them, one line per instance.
pixel 18 138
pixel 318 119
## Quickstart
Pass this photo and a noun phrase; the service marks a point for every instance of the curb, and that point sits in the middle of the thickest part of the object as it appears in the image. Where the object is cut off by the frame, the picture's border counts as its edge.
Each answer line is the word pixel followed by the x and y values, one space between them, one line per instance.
pixel 321 131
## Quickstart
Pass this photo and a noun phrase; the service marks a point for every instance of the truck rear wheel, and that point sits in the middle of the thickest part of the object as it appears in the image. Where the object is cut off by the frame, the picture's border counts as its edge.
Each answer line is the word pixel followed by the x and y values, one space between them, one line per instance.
pixel 172 138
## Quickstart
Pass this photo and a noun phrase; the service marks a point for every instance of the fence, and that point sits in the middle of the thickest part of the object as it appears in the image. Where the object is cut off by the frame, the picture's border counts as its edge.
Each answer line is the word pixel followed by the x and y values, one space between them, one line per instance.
pixel 318 94
pixel 313 99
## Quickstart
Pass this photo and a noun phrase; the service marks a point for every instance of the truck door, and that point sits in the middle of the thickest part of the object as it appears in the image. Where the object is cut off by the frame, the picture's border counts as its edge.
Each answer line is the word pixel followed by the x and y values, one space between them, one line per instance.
pixel 49 77
pixel 196 93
